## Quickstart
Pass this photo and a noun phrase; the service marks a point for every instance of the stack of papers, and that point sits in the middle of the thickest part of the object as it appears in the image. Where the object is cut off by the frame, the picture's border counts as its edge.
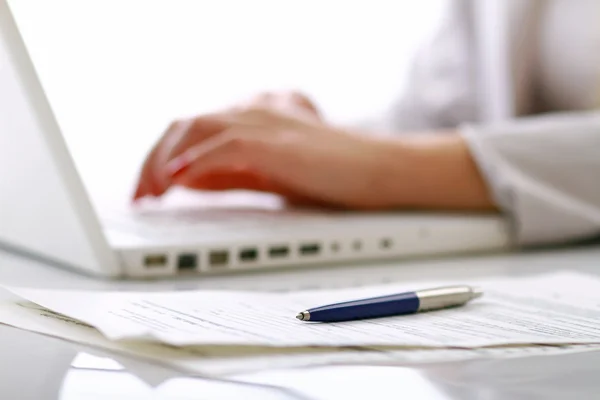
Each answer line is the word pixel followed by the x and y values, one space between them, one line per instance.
pixel 226 332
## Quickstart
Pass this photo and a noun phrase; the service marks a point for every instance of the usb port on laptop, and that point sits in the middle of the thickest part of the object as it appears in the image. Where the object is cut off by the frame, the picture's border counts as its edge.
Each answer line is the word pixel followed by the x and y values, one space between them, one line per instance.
pixel 279 251
pixel 310 249
pixel 248 255
pixel 155 260
pixel 187 261
pixel 219 258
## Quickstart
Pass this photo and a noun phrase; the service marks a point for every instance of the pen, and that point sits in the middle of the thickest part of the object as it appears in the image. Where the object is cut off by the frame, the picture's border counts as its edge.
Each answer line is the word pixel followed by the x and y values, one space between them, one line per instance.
pixel 395 304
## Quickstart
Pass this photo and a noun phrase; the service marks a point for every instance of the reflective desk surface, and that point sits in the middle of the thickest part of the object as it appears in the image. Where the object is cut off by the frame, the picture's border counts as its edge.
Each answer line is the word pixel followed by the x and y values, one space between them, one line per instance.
pixel 38 367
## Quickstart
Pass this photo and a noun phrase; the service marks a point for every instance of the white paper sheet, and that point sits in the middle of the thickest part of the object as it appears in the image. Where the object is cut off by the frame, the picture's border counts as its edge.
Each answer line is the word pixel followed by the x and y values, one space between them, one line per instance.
pixel 234 360
pixel 559 308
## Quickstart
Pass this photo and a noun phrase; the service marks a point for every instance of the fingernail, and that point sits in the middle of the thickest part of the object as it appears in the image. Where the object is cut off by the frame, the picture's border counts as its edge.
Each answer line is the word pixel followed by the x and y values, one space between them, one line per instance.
pixel 138 194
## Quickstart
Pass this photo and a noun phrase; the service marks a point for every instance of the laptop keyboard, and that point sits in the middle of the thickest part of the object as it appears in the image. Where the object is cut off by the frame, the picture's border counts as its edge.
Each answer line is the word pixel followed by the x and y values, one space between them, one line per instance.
pixel 173 223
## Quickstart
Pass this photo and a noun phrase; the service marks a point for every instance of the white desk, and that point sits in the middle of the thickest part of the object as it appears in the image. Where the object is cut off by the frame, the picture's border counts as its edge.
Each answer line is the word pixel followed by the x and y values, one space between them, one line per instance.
pixel 36 367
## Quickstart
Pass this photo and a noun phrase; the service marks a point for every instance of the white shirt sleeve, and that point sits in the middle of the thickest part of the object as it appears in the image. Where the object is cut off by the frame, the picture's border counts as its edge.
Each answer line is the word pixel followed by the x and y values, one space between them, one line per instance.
pixel 544 174
pixel 439 89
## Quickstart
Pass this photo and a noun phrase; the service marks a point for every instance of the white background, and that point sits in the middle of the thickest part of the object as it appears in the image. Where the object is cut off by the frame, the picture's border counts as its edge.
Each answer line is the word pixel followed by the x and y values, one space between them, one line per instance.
pixel 118 71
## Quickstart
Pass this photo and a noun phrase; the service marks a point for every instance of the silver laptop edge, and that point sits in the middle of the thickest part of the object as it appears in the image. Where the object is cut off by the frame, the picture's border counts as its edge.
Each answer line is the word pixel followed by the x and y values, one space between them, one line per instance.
pixel 26 111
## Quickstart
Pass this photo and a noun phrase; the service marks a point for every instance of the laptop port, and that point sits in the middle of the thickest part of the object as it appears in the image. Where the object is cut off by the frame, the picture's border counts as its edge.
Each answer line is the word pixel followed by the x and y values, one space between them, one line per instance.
pixel 187 261
pixel 155 260
pixel 218 258
pixel 279 251
pixel 386 243
pixel 310 249
pixel 248 255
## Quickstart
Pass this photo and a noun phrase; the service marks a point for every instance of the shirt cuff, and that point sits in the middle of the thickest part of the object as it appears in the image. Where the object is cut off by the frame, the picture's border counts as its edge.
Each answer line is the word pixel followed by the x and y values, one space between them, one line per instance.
pixel 489 166
pixel 544 202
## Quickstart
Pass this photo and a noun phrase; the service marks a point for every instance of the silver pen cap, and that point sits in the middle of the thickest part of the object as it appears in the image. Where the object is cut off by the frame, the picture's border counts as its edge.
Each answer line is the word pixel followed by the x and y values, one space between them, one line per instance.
pixel 448 296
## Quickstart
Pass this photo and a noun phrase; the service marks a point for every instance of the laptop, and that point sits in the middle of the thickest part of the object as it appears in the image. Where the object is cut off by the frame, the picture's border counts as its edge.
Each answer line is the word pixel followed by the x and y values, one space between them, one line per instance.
pixel 47 213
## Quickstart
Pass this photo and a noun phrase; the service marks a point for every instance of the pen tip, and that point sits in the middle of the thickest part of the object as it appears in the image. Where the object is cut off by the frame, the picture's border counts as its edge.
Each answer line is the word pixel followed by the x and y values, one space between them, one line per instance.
pixel 476 292
pixel 303 316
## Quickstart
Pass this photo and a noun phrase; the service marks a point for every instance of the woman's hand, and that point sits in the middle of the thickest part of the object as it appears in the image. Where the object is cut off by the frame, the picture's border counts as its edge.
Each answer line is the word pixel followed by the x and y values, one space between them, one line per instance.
pixel 274 144
pixel 277 143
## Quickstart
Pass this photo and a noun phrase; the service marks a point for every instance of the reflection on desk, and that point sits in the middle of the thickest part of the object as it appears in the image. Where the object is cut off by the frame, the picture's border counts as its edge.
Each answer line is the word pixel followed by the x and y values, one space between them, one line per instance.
pixel 40 368
pixel 36 367
pixel 571 376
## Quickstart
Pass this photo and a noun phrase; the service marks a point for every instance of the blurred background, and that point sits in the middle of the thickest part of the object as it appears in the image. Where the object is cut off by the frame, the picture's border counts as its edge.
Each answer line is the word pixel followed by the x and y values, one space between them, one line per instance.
pixel 117 72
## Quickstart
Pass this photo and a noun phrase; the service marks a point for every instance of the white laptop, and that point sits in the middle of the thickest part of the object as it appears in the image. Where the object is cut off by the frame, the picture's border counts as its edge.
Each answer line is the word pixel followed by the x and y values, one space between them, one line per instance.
pixel 46 212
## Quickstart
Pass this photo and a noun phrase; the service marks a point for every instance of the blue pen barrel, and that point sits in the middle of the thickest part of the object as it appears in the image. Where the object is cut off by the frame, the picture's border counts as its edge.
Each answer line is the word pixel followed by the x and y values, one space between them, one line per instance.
pixel 394 304
pixel 378 307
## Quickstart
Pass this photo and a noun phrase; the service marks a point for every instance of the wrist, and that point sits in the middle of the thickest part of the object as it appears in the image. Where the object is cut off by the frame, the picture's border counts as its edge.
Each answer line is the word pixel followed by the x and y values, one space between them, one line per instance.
pixel 436 171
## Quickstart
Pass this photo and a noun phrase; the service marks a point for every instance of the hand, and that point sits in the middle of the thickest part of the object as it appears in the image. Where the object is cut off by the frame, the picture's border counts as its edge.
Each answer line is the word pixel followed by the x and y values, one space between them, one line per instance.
pixel 274 145
pixel 278 143
pixel 154 180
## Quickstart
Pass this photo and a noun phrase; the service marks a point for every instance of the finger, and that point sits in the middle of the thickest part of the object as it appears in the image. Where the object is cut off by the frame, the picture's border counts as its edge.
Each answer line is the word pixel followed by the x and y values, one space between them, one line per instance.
pixel 185 136
pixel 146 185
pixel 234 149
pixel 239 149
pixel 228 181
pixel 180 136
pixel 210 168
pixel 298 201
pixel 237 160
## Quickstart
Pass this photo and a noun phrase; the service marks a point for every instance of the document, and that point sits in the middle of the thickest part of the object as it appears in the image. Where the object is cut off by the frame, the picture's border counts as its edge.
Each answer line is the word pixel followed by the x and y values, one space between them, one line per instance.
pixel 557 308
pixel 226 361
